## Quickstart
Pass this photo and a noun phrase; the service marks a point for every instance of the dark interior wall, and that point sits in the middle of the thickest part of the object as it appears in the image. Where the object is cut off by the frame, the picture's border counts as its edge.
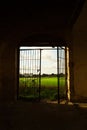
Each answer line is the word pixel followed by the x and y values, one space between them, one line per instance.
pixel 80 55
pixel 9 61
pixel 7 71
pixel 25 26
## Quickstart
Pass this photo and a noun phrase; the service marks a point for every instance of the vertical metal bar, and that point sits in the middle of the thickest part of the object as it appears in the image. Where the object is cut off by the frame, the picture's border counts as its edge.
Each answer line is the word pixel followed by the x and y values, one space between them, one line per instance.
pixel 60 65
pixel 18 71
pixel 40 77
pixel 66 74
pixel 33 63
pixel 24 67
pixel 58 73
pixel 30 69
pixel 37 71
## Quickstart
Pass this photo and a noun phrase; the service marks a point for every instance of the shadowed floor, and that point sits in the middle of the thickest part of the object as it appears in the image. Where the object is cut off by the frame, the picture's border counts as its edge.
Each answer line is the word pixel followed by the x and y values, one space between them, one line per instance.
pixel 42 116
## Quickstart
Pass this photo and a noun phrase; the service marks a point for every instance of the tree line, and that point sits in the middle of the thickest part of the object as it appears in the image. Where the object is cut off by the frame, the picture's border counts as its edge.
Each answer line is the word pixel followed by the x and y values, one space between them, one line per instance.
pixel 42 75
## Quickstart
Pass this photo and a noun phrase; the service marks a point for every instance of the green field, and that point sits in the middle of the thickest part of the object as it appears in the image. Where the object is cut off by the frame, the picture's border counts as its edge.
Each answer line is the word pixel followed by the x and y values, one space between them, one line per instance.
pixel 45 81
pixel 52 81
pixel 29 87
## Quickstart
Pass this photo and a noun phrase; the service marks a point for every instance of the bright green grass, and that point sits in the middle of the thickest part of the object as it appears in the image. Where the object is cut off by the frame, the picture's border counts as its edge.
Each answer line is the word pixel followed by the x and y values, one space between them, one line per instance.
pixel 49 88
pixel 45 82
pixel 52 81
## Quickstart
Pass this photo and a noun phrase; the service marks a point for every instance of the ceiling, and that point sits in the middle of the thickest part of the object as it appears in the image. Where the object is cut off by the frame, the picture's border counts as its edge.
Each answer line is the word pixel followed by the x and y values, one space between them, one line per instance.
pixel 60 12
pixel 19 19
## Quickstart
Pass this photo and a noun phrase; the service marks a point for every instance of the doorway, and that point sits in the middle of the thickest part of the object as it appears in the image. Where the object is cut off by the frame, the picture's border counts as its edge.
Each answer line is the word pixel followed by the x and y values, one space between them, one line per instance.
pixel 43 74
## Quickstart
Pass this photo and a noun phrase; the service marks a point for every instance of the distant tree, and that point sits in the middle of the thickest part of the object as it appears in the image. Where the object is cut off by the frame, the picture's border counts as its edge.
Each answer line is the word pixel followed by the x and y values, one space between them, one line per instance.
pixel 44 75
pixel 21 75
pixel 52 74
pixel 61 75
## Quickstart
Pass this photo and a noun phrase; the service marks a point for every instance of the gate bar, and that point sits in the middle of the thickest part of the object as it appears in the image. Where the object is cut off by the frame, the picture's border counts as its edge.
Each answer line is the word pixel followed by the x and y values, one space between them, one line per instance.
pixel 40 77
pixel 58 73
pixel 66 74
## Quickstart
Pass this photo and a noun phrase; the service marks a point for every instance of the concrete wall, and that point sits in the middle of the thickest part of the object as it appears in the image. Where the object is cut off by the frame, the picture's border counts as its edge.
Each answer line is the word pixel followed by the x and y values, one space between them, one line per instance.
pixel 80 55
pixel 9 65
pixel 14 29
pixel 7 71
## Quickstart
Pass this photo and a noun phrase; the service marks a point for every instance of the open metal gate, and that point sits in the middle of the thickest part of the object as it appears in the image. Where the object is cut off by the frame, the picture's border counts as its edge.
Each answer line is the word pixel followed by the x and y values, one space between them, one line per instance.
pixel 31 79
pixel 29 75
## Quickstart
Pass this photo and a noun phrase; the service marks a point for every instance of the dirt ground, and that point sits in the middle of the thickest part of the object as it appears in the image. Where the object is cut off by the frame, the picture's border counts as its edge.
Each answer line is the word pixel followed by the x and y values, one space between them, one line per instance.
pixel 22 115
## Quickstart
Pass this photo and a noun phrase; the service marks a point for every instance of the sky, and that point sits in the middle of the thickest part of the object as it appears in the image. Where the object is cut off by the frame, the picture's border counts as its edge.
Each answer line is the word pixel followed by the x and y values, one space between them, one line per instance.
pixel 30 60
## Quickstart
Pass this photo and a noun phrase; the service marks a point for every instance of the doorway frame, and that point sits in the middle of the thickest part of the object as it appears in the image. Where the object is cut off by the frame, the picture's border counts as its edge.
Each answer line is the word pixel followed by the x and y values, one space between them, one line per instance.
pixel 47 44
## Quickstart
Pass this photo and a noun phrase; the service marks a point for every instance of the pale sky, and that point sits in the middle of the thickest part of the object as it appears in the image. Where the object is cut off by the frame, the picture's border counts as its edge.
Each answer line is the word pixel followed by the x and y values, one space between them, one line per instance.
pixel 48 60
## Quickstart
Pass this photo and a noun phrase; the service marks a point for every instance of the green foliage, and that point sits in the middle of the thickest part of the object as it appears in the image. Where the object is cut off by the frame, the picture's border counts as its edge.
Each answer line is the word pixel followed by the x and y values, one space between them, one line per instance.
pixel 45 81
pixel 49 88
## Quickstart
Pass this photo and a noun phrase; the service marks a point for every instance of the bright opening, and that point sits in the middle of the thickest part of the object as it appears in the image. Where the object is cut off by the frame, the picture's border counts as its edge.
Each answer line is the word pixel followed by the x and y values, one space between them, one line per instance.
pixel 42 73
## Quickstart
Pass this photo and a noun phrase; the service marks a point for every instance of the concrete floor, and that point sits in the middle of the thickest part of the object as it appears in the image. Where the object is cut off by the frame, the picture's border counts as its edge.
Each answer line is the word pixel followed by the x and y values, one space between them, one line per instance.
pixel 42 116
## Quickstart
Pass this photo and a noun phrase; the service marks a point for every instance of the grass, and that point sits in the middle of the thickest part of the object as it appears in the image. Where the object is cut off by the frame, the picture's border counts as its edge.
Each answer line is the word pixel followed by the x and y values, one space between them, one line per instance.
pixel 45 81
pixel 52 81
pixel 49 88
